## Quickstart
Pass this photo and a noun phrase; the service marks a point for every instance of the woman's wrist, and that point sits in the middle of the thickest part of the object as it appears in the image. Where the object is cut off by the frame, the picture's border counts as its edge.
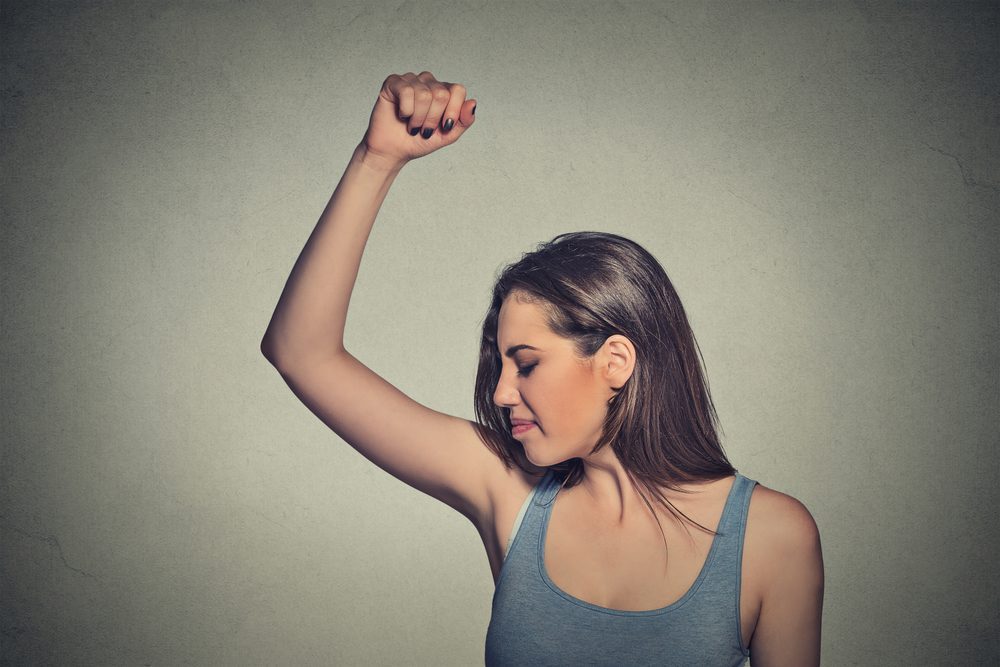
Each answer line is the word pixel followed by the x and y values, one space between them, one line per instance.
pixel 377 161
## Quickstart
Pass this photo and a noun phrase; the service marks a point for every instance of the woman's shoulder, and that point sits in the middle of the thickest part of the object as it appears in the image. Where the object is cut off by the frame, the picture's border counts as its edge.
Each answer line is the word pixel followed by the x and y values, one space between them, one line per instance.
pixel 779 517
pixel 780 529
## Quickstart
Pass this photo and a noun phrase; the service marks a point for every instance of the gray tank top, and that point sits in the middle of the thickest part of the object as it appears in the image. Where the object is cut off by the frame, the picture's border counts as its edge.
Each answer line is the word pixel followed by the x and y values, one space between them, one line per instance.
pixel 534 622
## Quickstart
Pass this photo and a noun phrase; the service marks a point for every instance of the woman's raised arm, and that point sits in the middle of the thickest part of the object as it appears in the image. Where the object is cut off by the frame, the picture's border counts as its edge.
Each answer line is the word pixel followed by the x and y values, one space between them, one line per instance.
pixel 435 453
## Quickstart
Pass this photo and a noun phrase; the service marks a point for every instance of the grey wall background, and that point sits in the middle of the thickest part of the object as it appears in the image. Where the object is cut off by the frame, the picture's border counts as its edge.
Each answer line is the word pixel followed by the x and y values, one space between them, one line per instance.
pixel 819 180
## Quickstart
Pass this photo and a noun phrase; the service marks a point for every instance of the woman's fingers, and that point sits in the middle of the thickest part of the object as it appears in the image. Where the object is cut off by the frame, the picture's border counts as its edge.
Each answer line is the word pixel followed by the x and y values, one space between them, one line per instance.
pixel 410 104
pixel 453 109
pixel 428 105
pixel 463 120
pixel 432 97
pixel 404 99
pixel 439 100
pixel 422 99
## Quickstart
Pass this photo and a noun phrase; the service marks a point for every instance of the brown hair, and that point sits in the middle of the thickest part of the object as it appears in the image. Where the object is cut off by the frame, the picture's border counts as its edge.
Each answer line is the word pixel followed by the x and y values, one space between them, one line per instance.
pixel 661 424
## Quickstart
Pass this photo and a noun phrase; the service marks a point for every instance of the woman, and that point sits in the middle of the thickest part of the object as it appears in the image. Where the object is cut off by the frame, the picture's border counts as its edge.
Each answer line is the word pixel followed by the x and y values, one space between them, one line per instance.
pixel 594 452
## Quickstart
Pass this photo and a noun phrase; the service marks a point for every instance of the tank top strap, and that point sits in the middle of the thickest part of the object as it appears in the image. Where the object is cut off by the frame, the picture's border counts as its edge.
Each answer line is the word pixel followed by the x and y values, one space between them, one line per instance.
pixel 548 487
pixel 734 514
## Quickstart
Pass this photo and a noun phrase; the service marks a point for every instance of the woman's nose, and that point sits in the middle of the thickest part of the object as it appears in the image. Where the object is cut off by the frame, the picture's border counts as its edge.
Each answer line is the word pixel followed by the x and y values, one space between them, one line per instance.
pixel 505 395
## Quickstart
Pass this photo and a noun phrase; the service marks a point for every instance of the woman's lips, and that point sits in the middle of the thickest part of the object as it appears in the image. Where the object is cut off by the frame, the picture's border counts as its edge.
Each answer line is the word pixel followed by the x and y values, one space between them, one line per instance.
pixel 518 429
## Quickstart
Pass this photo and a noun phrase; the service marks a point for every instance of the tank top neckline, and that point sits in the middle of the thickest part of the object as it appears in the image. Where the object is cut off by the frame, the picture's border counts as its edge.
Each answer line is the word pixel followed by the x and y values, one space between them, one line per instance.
pixel 548 500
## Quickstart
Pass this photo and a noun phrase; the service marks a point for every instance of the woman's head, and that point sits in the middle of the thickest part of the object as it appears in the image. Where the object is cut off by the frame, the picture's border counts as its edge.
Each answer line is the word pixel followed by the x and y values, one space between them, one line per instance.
pixel 617 365
pixel 559 393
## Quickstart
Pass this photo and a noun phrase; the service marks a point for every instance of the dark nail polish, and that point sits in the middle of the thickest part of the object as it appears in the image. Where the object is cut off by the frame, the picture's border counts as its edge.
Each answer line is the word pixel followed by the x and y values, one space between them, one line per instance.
pixel 427 133
pixel 413 131
pixel 448 124
pixel 474 109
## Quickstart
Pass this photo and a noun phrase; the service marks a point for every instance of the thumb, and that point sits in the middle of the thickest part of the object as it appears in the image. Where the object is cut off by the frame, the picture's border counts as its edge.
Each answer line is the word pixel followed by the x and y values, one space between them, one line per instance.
pixel 466 117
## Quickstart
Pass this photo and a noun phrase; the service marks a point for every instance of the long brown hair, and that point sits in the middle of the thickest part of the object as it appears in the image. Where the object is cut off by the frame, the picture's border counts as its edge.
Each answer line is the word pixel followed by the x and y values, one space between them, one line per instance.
pixel 662 423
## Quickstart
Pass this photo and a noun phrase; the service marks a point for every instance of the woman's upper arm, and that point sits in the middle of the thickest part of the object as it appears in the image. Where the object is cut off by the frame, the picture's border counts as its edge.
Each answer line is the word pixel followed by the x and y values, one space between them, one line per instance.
pixel 433 452
pixel 789 625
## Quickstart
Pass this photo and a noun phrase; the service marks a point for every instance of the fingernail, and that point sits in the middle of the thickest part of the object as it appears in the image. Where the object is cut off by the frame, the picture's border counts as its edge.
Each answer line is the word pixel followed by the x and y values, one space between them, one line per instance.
pixel 448 124
pixel 426 134
pixel 474 109
pixel 413 131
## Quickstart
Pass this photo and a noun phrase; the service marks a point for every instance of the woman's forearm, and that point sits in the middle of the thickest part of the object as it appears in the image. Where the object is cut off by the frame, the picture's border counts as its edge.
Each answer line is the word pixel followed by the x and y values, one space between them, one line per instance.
pixel 308 322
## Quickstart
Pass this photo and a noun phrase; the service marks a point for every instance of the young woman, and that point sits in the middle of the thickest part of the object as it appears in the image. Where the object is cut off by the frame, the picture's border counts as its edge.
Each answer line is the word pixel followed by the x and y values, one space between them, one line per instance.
pixel 617 531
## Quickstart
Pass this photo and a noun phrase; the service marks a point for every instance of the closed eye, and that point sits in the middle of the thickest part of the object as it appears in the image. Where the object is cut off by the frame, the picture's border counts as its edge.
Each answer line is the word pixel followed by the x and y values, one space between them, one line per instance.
pixel 524 371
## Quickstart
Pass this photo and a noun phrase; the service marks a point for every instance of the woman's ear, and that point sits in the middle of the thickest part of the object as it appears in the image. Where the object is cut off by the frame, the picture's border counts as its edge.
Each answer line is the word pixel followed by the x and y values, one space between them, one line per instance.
pixel 618 360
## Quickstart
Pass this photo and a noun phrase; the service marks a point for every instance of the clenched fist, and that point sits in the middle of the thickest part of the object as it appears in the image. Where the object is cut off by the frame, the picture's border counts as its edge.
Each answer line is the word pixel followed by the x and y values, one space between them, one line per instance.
pixel 415 114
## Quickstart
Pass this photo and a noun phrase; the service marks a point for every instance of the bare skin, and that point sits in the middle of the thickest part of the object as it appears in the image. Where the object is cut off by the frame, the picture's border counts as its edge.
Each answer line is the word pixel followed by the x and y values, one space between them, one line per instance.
pixel 442 456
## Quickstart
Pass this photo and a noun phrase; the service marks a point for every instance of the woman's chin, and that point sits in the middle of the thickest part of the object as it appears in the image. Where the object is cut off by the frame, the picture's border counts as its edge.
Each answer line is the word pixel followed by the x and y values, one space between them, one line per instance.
pixel 535 459
pixel 542 461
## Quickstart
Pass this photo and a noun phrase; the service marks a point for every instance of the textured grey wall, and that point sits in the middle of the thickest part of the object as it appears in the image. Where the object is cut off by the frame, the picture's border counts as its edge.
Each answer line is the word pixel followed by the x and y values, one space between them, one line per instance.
pixel 819 180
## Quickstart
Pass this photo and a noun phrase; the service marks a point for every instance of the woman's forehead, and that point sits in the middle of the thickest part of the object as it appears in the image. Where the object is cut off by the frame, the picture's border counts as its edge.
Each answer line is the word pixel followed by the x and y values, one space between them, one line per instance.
pixel 520 319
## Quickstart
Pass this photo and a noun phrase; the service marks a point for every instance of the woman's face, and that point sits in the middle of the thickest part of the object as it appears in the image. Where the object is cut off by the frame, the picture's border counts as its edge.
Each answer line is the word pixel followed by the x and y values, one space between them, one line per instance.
pixel 543 382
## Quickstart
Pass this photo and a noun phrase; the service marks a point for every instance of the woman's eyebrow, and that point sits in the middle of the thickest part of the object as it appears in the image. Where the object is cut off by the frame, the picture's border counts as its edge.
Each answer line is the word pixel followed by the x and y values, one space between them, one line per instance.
pixel 514 348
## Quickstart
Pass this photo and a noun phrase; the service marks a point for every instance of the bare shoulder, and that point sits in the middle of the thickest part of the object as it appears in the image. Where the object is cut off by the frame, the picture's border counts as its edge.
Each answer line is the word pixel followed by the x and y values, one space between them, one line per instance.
pixel 781 519
pixel 780 533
